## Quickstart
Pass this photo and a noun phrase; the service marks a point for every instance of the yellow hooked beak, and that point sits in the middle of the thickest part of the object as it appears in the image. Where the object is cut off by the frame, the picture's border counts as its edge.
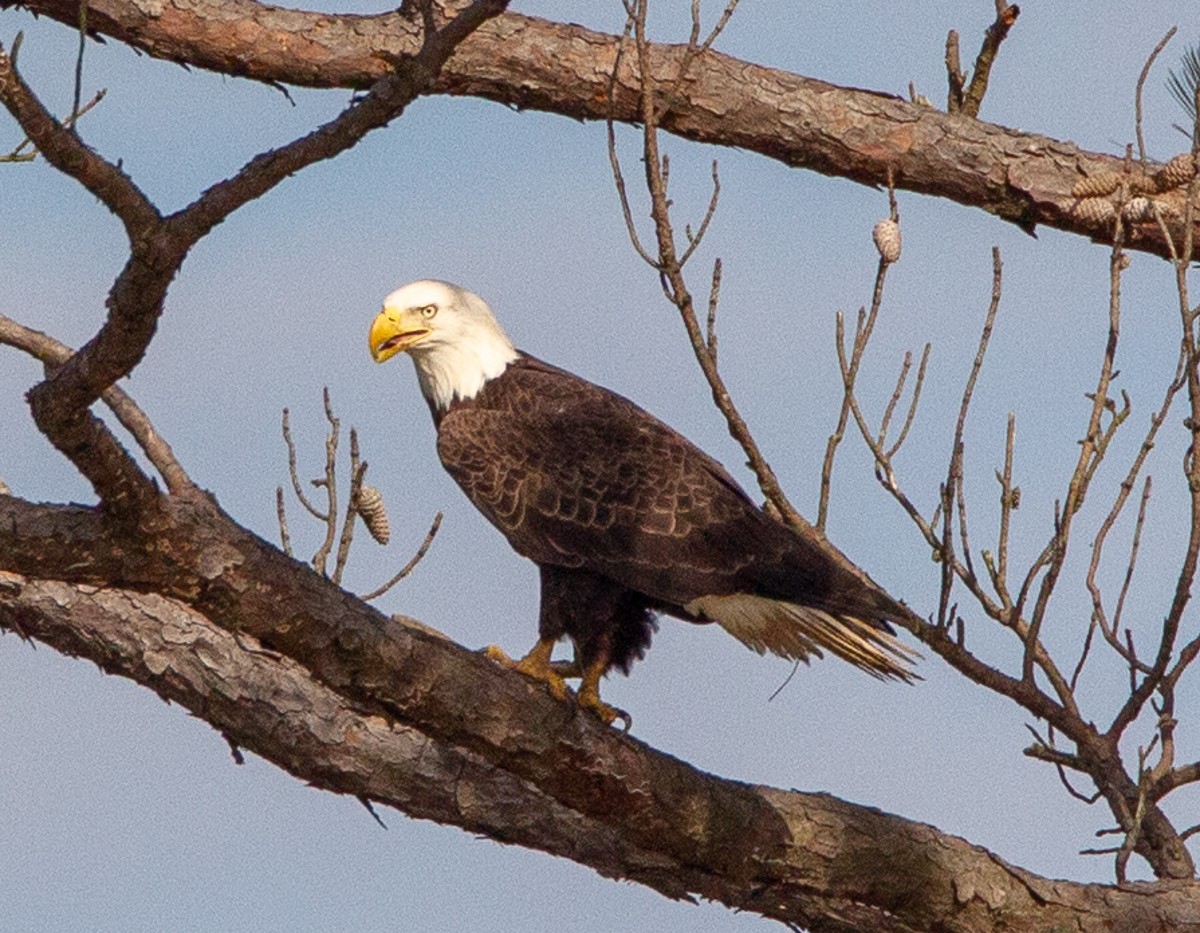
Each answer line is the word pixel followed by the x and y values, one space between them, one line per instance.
pixel 394 332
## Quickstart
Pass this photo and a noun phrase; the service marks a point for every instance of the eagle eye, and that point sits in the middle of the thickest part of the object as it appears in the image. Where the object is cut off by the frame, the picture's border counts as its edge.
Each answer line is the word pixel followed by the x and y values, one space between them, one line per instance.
pixel 429 311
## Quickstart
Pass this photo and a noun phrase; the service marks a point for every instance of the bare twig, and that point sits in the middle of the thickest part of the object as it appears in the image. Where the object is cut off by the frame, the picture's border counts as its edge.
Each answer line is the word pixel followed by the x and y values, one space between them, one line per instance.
pixel 83 34
pixel 1092 451
pixel 614 160
pixel 19 154
pixel 294 474
pixel 1158 676
pixel 329 484
pixel 1006 16
pixel 849 368
pixel 694 240
pixel 1141 83
pixel 954 74
pixel 889 410
pixel 952 491
pixel 357 472
pixel 714 297
pixel 667 263
pixel 54 354
pixel 285 539
pixel 692 51
pixel 911 415
pixel 411 565
pixel 1010 500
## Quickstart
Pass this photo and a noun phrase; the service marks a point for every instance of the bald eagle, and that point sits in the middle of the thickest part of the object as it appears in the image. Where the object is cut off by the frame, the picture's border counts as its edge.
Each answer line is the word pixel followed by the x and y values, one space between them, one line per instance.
pixel 625 518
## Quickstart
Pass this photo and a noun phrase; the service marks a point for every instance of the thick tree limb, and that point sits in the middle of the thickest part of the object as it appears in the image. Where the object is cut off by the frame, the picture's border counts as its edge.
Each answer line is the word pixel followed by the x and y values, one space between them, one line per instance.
pixel 807 859
pixel 342 671
pixel 533 63
pixel 53 354
pixel 159 245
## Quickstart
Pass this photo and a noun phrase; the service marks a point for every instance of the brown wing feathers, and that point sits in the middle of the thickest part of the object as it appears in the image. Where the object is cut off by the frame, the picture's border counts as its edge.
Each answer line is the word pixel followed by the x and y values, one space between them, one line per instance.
pixel 578 477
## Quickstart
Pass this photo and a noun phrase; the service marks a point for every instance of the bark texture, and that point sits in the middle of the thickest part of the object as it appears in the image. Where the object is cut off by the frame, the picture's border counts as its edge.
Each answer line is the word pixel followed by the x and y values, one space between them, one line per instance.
pixel 169 591
pixel 526 62
pixel 488 751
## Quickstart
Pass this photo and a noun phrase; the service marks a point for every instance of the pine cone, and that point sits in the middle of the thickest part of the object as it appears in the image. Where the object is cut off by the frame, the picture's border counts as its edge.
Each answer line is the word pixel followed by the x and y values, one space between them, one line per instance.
pixel 1095 210
pixel 1176 173
pixel 374 515
pixel 1097 185
pixel 1136 209
pixel 886 235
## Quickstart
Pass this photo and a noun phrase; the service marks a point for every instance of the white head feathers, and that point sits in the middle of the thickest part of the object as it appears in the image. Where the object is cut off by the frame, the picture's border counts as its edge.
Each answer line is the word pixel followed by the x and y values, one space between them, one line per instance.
pixel 451 335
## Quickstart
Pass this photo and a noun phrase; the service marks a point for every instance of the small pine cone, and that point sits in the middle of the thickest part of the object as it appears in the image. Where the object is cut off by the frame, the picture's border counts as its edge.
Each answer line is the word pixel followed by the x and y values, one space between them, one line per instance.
pixel 1098 185
pixel 374 515
pixel 1143 184
pixel 886 235
pixel 1136 209
pixel 1095 210
pixel 1176 173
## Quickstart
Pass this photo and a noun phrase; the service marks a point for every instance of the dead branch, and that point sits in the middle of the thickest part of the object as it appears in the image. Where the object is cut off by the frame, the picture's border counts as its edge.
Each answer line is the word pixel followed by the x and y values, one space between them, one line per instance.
pixel 362 501
pixel 24 151
pixel 411 565
pixel 967 98
pixel 285 538
pixel 329 484
pixel 375 745
pixel 293 471
pixel 849 367
pixel 669 262
pixel 358 470
pixel 53 354
pixel 160 244
pixel 531 63
pixel 1137 95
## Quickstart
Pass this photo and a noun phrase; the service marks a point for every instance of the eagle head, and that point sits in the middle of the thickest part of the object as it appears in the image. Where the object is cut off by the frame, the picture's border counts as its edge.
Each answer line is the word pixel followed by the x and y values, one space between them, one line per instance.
pixel 451 335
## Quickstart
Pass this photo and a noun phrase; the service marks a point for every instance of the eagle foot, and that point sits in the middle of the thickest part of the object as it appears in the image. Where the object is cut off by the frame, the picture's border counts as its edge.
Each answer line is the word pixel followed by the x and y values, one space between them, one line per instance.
pixel 535 665
pixel 590 700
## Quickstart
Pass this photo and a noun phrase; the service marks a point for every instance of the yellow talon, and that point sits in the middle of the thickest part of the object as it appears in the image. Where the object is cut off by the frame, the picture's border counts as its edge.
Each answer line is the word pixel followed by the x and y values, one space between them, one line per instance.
pixel 536 665
pixel 589 696
pixel 590 700
pixel 499 655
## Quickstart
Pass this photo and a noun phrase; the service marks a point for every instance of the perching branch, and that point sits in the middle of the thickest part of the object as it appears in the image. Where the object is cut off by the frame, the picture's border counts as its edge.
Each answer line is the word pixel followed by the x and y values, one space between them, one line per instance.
pixel 484 750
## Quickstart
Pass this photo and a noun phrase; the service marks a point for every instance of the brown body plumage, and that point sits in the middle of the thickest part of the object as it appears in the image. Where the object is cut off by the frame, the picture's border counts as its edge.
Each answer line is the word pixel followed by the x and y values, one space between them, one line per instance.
pixel 626 518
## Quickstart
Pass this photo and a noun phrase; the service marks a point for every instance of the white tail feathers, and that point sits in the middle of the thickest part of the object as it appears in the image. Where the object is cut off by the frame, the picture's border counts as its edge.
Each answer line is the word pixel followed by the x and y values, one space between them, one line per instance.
pixel 798 632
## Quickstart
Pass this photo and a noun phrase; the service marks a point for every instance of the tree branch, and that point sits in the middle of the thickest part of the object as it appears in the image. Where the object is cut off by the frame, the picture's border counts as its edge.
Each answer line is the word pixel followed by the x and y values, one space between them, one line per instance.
pixel 532 63
pixel 805 859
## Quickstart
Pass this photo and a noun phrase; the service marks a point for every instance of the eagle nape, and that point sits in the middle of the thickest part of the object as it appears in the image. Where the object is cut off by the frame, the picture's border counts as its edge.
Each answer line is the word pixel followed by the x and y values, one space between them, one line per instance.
pixel 626 519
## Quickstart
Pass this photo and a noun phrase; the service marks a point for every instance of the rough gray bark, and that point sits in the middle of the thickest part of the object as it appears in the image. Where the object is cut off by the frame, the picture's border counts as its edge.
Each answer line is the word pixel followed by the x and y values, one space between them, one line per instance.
pixel 808 859
pixel 168 590
pixel 532 63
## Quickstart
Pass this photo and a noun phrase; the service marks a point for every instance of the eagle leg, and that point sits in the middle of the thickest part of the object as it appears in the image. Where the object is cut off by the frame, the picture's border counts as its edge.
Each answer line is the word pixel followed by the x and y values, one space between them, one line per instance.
pixel 570 669
pixel 589 695
pixel 536 664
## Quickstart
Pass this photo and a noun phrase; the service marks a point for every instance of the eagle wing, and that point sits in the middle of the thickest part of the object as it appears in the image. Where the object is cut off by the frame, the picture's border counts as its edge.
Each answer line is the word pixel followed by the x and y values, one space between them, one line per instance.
pixel 577 476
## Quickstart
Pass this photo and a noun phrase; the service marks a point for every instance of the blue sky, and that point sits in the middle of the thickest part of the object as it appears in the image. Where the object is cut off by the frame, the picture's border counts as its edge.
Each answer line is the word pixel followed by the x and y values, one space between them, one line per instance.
pixel 120 812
